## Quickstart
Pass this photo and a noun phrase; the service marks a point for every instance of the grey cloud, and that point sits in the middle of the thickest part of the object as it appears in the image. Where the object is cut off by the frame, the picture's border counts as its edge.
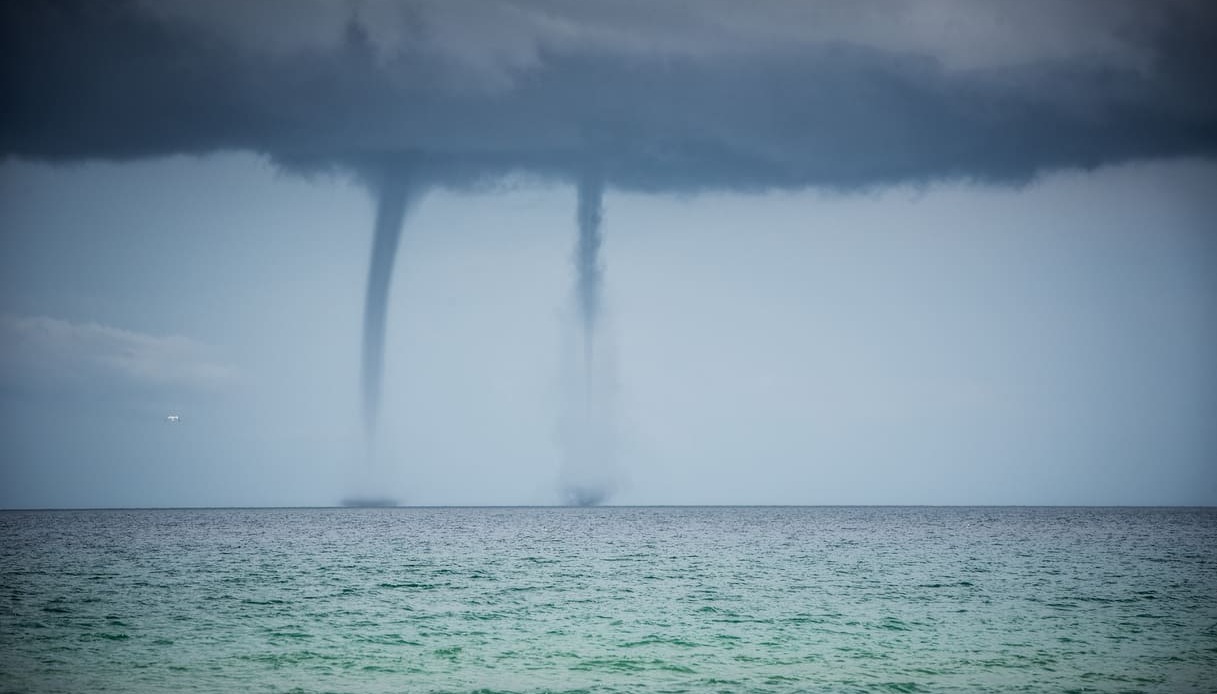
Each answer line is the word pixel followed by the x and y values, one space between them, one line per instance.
pixel 48 352
pixel 662 96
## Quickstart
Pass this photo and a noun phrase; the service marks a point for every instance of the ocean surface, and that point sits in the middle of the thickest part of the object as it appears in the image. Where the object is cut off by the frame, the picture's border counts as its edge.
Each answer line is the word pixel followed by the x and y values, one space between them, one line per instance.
pixel 719 599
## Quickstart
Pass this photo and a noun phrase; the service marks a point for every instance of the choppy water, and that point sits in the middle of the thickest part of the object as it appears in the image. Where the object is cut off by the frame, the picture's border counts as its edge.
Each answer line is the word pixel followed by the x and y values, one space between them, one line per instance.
pixel 610 600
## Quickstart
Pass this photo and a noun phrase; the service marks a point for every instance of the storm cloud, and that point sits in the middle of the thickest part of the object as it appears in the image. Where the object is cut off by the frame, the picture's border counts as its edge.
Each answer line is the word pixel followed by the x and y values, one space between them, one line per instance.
pixel 672 96
pixel 677 97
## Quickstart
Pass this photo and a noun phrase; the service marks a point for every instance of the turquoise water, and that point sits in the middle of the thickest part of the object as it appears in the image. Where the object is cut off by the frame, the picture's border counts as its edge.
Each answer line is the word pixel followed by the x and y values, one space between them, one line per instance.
pixel 610 600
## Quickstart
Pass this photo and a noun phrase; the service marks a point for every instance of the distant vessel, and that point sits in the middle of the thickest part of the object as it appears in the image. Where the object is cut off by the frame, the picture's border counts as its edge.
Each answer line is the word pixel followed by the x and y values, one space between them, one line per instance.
pixel 173 418
pixel 369 502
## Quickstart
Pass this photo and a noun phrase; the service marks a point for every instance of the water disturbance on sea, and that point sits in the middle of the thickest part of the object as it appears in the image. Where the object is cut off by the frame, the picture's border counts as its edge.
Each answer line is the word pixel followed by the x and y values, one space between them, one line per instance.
pixel 851 599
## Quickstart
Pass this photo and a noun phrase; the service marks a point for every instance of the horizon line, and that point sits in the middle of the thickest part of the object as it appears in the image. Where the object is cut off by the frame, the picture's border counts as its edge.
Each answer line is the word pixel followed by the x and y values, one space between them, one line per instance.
pixel 340 507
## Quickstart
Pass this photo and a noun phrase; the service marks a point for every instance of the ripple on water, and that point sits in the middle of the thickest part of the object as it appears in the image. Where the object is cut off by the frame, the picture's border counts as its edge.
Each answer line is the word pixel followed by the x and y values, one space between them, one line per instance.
pixel 610 600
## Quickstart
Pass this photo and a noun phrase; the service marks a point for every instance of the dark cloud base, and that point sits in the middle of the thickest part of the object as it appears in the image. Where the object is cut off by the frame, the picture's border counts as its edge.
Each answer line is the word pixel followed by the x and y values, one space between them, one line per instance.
pixel 90 80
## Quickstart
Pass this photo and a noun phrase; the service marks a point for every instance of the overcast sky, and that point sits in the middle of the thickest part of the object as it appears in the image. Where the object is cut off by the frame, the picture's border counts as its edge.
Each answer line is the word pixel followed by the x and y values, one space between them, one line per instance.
pixel 956 253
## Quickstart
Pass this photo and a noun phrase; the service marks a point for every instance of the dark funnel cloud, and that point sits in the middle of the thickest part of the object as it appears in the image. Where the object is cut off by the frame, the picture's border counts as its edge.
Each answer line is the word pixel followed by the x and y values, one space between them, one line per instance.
pixel 589 451
pixel 587 262
pixel 393 197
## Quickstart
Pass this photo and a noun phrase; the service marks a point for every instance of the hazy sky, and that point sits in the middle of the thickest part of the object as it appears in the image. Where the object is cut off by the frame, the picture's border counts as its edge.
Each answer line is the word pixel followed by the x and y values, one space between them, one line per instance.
pixel 901 270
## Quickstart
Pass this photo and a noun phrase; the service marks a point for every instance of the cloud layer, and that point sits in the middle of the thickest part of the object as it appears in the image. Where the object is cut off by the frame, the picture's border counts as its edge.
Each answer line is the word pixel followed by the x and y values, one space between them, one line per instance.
pixel 47 351
pixel 676 96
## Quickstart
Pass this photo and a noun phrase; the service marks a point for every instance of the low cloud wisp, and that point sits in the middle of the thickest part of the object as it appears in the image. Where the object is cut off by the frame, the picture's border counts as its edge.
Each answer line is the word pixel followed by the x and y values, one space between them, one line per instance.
pixel 71 355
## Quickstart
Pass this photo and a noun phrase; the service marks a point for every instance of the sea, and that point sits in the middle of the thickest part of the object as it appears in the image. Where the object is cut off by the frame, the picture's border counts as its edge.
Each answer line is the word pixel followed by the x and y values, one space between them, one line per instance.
pixel 610 599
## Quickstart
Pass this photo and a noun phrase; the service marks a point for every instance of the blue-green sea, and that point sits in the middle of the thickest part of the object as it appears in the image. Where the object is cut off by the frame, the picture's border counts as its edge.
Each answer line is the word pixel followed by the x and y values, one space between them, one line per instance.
pixel 717 599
